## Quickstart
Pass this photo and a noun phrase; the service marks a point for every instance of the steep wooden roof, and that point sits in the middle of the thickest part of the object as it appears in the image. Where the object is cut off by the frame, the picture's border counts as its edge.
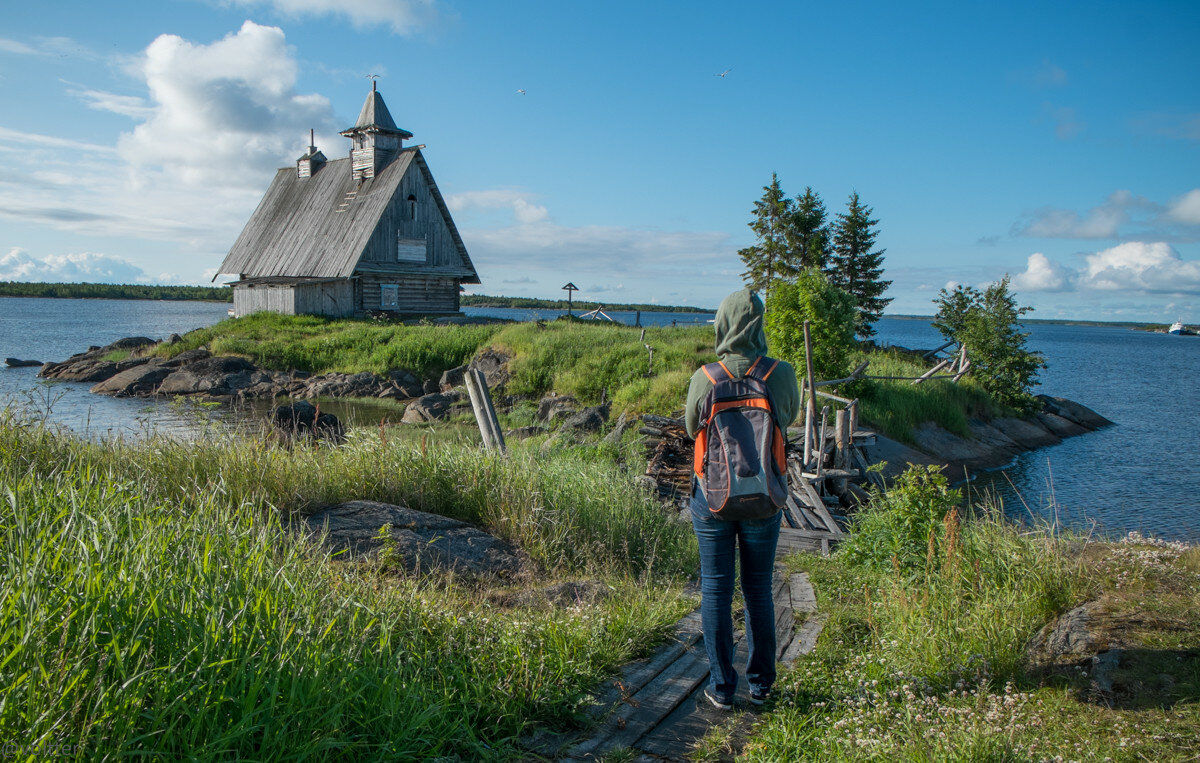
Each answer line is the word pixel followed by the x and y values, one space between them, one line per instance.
pixel 375 117
pixel 298 231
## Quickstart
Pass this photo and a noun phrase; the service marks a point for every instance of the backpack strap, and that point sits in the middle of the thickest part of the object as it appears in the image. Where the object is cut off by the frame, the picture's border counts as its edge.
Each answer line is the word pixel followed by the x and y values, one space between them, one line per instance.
pixel 756 369
pixel 716 372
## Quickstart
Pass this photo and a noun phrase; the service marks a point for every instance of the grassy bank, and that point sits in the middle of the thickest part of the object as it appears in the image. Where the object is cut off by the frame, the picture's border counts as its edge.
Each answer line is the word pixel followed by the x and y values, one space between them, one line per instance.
pixel 157 603
pixel 578 358
pixel 924 653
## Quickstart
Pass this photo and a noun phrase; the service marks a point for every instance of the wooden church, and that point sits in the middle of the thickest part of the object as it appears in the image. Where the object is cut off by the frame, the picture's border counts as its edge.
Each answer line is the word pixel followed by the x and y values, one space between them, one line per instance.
pixel 370 232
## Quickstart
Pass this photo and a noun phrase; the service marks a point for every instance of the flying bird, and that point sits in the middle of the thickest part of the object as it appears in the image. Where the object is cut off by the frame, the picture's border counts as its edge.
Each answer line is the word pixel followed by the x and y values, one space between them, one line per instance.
pixel 520 92
pixel 724 74
pixel 372 77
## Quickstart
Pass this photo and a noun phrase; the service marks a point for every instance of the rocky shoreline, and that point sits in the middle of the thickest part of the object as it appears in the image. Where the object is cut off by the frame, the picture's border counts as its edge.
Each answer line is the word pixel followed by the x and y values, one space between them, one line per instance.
pixel 140 373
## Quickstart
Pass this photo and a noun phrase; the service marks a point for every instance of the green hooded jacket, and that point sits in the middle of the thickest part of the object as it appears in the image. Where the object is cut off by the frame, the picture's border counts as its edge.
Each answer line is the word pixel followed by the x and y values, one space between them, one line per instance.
pixel 740 339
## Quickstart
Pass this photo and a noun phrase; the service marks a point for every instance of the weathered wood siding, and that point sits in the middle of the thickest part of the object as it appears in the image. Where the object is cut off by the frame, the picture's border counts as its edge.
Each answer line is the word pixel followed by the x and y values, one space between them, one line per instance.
pixel 335 298
pixel 253 299
pixel 420 218
pixel 417 294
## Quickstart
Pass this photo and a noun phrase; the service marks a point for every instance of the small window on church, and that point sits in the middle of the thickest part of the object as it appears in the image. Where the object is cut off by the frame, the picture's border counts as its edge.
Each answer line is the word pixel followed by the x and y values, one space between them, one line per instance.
pixel 389 296
pixel 412 207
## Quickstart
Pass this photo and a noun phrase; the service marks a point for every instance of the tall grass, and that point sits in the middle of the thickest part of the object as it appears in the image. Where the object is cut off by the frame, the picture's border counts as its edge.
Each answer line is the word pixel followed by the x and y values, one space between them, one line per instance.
pixel 155 602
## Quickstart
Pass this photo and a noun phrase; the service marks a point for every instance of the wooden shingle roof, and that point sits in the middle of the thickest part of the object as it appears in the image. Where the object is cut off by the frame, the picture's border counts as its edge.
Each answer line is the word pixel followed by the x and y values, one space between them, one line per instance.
pixel 318 227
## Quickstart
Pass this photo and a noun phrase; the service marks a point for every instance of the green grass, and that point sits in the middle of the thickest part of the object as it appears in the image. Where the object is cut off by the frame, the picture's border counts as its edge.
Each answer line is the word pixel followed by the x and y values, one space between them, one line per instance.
pixel 929 663
pixel 584 359
pixel 156 603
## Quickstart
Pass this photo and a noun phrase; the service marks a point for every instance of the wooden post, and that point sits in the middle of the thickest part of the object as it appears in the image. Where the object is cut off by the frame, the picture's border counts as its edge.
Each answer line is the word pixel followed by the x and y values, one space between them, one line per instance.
pixel 840 432
pixel 811 410
pixel 481 417
pixel 852 420
pixel 962 357
pixel 821 441
pixel 963 371
pixel 497 434
pixel 808 424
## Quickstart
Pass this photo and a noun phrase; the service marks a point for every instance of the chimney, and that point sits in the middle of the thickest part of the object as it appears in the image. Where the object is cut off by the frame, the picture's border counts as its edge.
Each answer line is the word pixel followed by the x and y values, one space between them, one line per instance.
pixel 307 165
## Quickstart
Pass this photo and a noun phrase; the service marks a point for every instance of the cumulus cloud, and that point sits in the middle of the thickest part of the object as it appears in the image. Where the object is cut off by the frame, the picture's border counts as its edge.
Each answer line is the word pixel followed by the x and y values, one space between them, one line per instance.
pixel 223 112
pixel 1043 275
pixel 518 202
pixel 1134 267
pixel 19 265
pixel 1049 74
pixel 402 16
pixel 212 123
pixel 1186 208
pixel 1123 215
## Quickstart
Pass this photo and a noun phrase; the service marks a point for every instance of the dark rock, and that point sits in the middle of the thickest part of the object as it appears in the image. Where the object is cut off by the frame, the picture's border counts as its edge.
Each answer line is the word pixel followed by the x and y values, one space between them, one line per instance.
pixel 406 383
pixel 1072 411
pixel 131 343
pixel 589 419
pixel 454 377
pixel 554 407
pixel 302 417
pixel 131 362
pixel 1060 426
pixel 139 380
pixel 494 366
pixel 1027 434
pixel 364 384
pixel 415 540
pixel 84 370
pixel 220 375
pixel 430 386
pixel 18 363
pixel 1070 639
pixel 432 407
pixel 173 339
pixel 951 448
pixel 186 357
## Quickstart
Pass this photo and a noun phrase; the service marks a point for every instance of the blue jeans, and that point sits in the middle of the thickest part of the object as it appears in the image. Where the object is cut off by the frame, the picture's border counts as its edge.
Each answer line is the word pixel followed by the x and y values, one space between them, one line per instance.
pixel 756 540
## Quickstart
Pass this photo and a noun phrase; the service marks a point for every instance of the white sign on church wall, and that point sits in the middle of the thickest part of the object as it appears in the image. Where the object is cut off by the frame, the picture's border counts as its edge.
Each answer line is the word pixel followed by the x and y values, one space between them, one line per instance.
pixel 410 249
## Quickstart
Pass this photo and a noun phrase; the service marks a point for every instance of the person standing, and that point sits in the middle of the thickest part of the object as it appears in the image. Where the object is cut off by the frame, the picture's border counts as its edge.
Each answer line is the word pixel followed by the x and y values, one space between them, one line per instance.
pixel 738 410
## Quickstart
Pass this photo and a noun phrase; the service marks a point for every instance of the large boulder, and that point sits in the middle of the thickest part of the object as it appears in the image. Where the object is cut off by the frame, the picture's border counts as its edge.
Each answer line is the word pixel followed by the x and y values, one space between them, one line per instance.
pixel 1060 426
pixel 363 384
pixel 959 451
pixel 1075 636
pixel 303 418
pixel 435 406
pixel 404 385
pixel 452 377
pixel 1028 434
pixel 220 375
pixel 131 343
pixel 494 366
pixel 186 357
pixel 554 407
pixel 589 419
pixel 1072 411
pixel 415 540
pixel 18 363
pixel 139 380
pixel 83 369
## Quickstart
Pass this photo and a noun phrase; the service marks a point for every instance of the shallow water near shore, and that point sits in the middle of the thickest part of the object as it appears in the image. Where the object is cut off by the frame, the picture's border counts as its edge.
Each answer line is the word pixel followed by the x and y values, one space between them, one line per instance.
pixel 1142 474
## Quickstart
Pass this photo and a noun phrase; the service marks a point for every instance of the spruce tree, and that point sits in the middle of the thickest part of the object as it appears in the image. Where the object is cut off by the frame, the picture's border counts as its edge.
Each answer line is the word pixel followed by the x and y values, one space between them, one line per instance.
pixel 768 260
pixel 855 267
pixel 808 234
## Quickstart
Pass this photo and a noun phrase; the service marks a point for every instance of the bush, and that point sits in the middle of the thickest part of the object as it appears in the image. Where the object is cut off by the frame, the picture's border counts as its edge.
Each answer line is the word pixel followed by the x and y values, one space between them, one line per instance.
pixel 988 323
pixel 831 316
pixel 904 527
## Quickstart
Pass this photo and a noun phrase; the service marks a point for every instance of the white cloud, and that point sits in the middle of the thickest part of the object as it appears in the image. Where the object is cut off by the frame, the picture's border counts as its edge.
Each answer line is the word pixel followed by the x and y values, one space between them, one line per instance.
pixel 1043 275
pixel 519 202
pixel 18 265
pixel 1050 74
pixel 1067 123
pixel 1185 208
pixel 19 137
pixel 1134 267
pixel 126 105
pixel 403 16
pixel 18 47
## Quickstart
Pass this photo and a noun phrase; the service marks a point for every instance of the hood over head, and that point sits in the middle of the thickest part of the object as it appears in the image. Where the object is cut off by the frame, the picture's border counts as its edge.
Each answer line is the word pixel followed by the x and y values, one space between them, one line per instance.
pixel 739 326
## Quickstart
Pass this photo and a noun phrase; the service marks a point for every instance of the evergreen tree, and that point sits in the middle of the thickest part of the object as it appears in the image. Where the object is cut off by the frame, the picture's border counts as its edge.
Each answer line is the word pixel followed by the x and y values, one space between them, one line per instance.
pixel 808 235
pixel 854 267
pixel 768 260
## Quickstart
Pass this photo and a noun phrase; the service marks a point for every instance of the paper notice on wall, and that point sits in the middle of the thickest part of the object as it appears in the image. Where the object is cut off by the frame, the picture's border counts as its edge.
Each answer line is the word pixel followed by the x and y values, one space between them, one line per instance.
pixel 410 249
pixel 389 296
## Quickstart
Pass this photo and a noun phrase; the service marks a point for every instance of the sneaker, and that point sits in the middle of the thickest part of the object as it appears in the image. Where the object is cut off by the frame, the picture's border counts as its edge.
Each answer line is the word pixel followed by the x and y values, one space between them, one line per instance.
pixel 759 696
pixel 720 704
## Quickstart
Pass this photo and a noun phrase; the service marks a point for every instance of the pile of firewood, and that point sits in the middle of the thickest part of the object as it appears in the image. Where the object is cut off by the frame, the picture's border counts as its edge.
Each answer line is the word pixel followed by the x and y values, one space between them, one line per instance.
pixel 669 451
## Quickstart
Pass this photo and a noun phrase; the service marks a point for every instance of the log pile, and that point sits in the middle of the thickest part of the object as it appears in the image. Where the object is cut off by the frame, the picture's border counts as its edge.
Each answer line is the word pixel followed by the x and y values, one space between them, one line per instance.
pixel 669 452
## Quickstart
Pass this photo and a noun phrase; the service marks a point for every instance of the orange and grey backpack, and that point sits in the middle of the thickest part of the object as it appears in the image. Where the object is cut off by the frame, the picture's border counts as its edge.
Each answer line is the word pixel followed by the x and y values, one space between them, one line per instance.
pixel 740 463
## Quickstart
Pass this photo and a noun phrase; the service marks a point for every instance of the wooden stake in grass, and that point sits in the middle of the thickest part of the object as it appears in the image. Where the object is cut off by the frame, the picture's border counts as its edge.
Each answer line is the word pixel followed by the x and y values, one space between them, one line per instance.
pixel 811 409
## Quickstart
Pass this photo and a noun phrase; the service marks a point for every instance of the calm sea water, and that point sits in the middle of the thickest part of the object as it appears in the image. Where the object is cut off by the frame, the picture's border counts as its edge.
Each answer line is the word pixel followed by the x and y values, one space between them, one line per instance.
pixel 1142 474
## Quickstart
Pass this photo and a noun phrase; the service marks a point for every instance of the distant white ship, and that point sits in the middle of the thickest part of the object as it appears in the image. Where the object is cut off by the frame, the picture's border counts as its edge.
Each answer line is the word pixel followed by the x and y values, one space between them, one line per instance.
pixel 1176 327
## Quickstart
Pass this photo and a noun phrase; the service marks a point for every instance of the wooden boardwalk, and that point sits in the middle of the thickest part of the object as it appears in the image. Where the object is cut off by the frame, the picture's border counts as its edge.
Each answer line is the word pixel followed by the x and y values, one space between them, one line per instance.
pixel 656 707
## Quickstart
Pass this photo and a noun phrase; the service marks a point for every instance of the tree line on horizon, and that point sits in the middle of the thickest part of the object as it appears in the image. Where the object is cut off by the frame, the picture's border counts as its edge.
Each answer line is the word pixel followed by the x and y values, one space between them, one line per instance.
pixel 795 235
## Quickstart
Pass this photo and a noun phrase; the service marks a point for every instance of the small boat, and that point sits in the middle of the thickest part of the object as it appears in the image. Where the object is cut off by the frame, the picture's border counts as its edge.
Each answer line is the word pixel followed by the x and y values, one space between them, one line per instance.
pixel 1176 327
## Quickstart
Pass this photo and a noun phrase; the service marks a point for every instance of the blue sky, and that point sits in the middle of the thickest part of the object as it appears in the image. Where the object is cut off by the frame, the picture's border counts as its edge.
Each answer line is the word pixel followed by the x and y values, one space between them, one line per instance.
pixel 1059 143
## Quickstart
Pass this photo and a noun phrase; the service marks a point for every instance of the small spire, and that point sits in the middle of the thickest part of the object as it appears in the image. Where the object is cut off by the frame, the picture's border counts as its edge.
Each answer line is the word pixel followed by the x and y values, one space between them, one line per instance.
pixel 372 86
pixel 312 139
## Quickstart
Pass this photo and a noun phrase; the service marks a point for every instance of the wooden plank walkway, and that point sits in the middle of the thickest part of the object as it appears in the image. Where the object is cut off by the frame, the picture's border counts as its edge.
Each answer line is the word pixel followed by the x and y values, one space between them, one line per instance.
pixel 656 706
